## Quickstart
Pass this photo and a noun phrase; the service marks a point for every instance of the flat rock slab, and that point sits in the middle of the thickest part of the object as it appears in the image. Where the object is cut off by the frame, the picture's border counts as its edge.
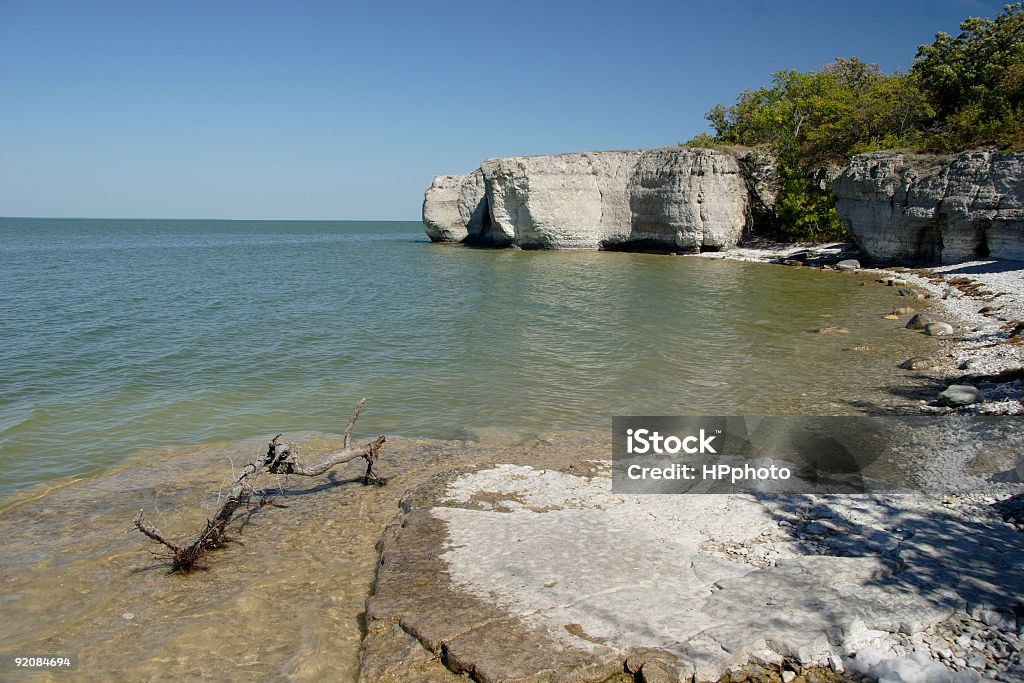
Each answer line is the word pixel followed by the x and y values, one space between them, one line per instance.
pixel 511 573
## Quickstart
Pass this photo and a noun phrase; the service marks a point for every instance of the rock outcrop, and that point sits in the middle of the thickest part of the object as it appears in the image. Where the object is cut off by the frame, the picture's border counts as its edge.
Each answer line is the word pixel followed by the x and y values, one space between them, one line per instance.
pixel 453 205
pixel 910 208
pixel 901 208
pixel 512 573
pixel 674 200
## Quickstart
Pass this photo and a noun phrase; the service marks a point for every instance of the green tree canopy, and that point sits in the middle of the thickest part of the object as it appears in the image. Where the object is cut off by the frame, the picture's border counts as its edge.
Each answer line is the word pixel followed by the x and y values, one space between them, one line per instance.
pixel 819 116
pixel 975 82
pixel 961 92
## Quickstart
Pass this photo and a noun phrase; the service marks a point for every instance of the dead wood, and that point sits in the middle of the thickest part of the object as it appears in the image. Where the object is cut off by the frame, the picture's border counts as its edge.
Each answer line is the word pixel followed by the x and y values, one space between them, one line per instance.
pixel 279 459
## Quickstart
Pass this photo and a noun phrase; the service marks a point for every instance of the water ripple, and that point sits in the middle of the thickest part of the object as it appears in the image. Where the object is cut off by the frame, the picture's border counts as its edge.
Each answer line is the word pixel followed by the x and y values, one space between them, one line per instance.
pixel 116 335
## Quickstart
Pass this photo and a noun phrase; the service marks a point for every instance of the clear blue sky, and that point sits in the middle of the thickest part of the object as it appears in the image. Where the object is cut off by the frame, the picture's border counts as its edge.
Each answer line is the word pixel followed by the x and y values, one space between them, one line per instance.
pixel 335 110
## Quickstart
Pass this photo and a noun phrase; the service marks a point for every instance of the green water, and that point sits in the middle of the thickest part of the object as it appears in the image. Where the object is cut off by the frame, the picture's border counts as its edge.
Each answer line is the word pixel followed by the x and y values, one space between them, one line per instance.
pixel 121 334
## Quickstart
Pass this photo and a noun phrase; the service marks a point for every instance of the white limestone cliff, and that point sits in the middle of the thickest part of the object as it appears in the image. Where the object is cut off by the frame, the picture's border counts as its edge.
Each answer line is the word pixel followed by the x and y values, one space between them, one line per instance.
pixel 673 199
pixel 452 205
pixel 911 208
pixel 901 208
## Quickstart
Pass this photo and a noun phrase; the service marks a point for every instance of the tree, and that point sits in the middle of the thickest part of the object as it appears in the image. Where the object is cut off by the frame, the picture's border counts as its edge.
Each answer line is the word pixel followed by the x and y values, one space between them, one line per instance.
pixel 975 83
pixel 820 116
pixel 813 119
pixel 961 92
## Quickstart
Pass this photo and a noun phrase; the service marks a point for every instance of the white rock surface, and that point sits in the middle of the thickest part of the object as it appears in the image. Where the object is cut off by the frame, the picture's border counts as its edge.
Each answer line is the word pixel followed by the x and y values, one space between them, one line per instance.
pixel 719 580
pixel 672 199
pixel 453 205
pixel 913 668
pixel 559 202
pixel 924 209
pixel 693 200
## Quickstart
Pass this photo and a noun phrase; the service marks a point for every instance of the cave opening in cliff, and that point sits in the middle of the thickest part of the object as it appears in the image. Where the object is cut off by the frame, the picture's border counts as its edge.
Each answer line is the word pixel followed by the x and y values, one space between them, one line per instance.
pixel 982 251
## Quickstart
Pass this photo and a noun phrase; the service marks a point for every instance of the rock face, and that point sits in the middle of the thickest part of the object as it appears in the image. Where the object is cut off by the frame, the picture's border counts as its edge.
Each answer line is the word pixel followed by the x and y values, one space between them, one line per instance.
pixel 673 199
pixel 453 205
pixel 923 209
pixel 903 208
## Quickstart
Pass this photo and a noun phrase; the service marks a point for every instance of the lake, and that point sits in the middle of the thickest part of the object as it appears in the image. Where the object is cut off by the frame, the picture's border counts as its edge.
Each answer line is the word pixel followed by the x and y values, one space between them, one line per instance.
pixel 119 335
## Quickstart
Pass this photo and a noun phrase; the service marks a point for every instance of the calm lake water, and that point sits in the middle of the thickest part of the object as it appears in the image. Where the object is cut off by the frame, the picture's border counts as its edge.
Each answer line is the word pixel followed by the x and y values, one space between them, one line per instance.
pixel 117 335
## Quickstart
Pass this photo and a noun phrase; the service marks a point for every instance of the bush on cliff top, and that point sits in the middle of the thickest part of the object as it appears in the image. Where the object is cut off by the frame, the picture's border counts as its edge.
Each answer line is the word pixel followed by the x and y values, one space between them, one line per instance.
pixel 975 82
pixel 961 92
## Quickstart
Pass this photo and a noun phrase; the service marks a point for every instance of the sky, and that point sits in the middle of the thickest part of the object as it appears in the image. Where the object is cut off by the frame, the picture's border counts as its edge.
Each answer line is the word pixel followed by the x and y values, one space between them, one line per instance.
pixel 259 109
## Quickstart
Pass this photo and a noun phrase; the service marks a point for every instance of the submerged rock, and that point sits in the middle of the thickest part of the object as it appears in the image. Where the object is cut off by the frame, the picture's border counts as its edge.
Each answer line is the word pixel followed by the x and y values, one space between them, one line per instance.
pixel 916 363
pixel 919 321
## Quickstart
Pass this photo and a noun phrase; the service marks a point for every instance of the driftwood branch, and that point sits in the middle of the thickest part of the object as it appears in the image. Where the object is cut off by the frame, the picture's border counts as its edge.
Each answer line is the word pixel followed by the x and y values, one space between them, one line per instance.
pixel 151 531
pixel 352 422
pixel 279 459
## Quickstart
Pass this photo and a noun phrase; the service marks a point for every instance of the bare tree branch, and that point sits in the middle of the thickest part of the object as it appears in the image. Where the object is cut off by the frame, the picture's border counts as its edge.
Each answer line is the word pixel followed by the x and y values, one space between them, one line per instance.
pixel 152 532
pixel 279 459
pixel 367 450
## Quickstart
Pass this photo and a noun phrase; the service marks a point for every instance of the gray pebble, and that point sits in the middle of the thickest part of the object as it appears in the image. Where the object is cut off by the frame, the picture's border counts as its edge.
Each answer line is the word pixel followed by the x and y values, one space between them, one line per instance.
pixel 978 662
pixel 961 395
pixel 919 321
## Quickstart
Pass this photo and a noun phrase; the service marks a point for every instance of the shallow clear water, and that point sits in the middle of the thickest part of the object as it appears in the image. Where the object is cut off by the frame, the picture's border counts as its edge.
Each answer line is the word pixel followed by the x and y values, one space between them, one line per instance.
pixel 119 339
pixel 117 335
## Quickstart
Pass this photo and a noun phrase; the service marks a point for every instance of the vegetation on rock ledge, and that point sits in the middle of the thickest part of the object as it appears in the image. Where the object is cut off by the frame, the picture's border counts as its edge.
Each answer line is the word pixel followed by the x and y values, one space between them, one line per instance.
pixel 961 92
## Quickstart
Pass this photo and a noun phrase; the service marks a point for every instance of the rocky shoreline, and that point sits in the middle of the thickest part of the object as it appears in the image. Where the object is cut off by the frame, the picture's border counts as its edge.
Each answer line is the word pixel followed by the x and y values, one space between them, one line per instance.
pixel 518 563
